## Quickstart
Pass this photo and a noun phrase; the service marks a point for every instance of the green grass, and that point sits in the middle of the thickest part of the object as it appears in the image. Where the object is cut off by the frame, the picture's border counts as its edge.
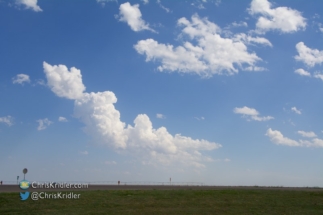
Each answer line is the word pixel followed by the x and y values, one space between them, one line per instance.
pixel 171 202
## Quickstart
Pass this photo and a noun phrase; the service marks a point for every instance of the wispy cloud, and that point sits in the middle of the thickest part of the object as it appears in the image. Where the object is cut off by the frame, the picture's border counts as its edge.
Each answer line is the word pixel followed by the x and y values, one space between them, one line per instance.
pixel 295 110
pixel 251 114
pixel 7 120
pixel 43 124
pixel 21 79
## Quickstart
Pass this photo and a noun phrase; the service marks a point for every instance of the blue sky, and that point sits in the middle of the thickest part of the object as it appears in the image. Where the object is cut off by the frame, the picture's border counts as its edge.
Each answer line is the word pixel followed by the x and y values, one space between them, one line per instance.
pixel 223 93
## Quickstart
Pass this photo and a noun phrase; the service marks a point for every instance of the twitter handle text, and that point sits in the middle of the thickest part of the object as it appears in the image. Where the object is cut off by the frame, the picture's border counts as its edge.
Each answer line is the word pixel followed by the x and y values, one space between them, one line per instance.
pixel 59 195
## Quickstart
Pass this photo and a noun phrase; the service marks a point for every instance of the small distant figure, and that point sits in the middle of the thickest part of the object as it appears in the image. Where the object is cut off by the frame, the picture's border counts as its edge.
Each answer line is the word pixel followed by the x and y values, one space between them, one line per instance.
pixel 0 182
pixel 118 182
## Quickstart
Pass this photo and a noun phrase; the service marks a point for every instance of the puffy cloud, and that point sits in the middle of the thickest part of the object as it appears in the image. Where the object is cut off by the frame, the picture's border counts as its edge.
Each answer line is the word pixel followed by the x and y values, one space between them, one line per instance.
pixel 284 19
pixel 7 120
pixel 102 121
pixel 62 119
pixel 213 54
pixel 21 79
pixel 302 72
pixel 29 4
pixel 278 138
pixel 64 83
pixel 160 116
pixel 295 110
pixel 132 16
pixel 307 55
pixel 251 114
pixel 307 134
pixel 43 124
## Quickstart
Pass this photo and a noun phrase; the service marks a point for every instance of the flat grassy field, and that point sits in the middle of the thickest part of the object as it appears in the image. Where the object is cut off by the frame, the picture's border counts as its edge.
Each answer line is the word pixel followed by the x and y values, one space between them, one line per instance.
pixel 171 202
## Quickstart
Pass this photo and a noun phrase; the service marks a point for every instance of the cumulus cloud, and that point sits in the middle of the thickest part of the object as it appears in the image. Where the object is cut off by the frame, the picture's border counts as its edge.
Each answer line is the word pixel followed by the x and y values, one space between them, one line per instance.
pixel 295 110
pixel 7 120
pixel 307 55
pixel 251 114
pixel 132 16
pixel 64 83
pixel 302 72
pixel 307 134
pixel 29 4
pixel 213 54
pixel 21 79
pixel 283 19
pixel 160 116
pixel 102 122
pixel 278 138
pixel 43 124
pixel 62 119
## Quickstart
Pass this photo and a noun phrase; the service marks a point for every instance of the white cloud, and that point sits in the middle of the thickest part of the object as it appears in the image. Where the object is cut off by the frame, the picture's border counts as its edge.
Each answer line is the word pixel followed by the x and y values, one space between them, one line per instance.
pixel 278 138
pixel 302 72
pixel 217 2
pixel 199 118
pixel 318 75
pixel 251 114
pixel 249 40
pixel 213 54
pixel 145 1
pixel 7 120
pixel 284 19
pixel 43 124
pixel 227 160
pixel 239 24
pixel 132 16
pixel 307 134
pixel 84 152
pixel 255 69
pixel 64 83
pixel 295 110
pixel 62 119
pixel 163 7
pixel 29 4
pixel 21 79
pixel 160 116
pixel 102 122
pixel 307 55
pixel 104 2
